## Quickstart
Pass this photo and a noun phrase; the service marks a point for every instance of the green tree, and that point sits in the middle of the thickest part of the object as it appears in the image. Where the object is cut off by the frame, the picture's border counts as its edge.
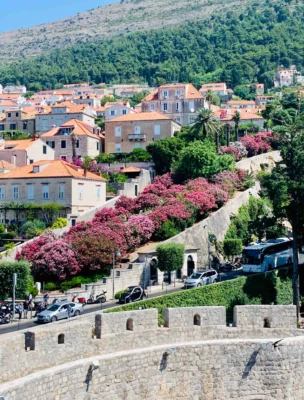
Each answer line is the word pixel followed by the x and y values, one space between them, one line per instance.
pixel 232 247
pixel 199 159
pixel 236 118
pixel 206 125
pixel 165 153
pixel 170 256
pixel 7 269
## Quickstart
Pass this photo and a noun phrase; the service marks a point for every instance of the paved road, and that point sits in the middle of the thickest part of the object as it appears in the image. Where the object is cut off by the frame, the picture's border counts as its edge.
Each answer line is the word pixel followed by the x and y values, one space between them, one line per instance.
pixel 15 326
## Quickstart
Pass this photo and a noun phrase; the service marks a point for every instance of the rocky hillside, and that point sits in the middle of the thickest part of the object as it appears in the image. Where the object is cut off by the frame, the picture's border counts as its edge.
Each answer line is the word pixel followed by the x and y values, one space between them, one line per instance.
pixel 112 20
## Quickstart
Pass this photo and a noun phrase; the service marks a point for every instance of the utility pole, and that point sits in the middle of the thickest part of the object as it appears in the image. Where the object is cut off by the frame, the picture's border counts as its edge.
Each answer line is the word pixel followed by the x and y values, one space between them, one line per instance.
pixel 14 292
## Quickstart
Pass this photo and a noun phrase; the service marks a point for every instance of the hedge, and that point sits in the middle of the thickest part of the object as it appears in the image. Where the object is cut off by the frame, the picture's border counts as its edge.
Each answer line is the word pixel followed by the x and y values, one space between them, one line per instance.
pixel 271 287
pixel 170 256
pixel 22 268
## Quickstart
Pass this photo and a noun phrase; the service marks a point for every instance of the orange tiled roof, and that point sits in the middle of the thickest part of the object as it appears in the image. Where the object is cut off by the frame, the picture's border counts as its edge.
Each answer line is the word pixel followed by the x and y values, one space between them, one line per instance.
pixel 214 86
pixel 8 103
pixel 52 169
pixel 7 166
pixel 151 96
pixel 113 103
pixel 240 102
pixel 10 96
pixel 16 144
pixel 244 115
pixel 79 128
pixel 130 169
pixel 146 116
pixel 100 109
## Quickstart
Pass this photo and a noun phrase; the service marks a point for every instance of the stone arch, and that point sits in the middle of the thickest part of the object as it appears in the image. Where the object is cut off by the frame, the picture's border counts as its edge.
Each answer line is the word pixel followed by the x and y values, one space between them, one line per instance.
pixel 153 271
pixel 266 322
pixel 197 320
pixel 129 324
pixel 61 338
pixel 190 265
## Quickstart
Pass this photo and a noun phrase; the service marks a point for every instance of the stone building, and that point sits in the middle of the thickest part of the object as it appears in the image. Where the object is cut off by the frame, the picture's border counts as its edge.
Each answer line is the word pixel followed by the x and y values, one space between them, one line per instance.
pixel 180 102
pixel 48 118
pixel 53 182
pixel 116 109
pixel 74 138
pixel 131 131
pixel 20 119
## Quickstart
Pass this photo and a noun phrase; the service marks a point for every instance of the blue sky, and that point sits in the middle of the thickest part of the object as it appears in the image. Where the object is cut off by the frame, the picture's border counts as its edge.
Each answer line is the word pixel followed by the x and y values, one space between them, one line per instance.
pixel 17 14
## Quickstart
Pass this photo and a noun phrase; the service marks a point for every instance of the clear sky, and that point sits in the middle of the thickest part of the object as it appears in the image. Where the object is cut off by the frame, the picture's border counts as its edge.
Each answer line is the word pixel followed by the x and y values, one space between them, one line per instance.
pixel 17 14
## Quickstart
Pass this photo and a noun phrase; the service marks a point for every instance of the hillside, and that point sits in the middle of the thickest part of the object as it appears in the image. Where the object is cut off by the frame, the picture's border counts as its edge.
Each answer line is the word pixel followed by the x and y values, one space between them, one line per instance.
pixel 109 21
pixel 235 47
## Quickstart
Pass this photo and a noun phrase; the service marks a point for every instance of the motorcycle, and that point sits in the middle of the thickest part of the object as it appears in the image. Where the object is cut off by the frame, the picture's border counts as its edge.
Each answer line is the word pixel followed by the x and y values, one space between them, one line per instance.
pixel 5 318
pixel 101 298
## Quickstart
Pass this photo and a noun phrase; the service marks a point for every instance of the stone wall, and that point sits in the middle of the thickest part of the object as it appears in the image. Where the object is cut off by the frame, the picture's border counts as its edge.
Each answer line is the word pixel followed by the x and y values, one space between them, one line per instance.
pixel 266 316
pixel 201 316
pixel 236 369
pixel 253 164
pixel 79 341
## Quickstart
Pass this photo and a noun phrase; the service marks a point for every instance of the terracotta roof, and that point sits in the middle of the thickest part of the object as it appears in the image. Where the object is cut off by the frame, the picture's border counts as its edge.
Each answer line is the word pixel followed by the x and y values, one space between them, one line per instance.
pixel 146 116
pixel 7 166
pixel 113 103
pixel 130 169
pixel 100 109
pixel 151 96
pixel 213 86
pixel 260 85
pixel 10 96
pixel 51 169
pixel 16 144
pixel 244 115
pixel 79 128
pixel 8 103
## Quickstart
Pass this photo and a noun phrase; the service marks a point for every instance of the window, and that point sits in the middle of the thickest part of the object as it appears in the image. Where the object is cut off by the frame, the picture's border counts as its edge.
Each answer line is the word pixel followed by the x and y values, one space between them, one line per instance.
pixel 165 93
pixel 24 126
pixel 2 192
pixel 165 107
pixel 80 192
pixel 1 127
pixel 191 105
pixel 98 192
pixel 31 161
pixel 77 144
pixel 177 106
pixel 30 192
pixel 137 146
pixel 9 115
pixel 156 130
pixel 97 146
pixel 117 131
pixel 16 192
pixel 178 93
pixel 152 107
pixel 124 112
pixel 137 130
pixel 117 148
pixel 51 144
pixel 44 149
pixel 63 158
pixel 45 192
pixel 61 192
pixel 12 127
pixel 178 119
pixel 17 114
pixel 63 144
pixel 113 113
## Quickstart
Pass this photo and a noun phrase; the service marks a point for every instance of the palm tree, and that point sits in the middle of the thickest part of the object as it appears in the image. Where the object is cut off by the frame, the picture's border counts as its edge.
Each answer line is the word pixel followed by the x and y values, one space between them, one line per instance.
pixel 236 119
pixel 209 98
pixel 208 125
pixel 228 128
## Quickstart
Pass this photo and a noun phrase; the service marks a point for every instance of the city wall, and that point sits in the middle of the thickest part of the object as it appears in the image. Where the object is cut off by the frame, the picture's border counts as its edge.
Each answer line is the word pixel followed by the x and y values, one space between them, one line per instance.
pixel 108 333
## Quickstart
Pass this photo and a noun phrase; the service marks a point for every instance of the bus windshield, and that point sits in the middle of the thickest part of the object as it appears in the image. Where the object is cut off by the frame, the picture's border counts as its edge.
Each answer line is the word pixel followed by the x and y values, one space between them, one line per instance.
pixel 251 257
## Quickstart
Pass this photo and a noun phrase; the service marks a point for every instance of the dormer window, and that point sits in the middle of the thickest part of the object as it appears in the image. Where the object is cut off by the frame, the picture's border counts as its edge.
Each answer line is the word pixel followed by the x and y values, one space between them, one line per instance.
pixel 36 168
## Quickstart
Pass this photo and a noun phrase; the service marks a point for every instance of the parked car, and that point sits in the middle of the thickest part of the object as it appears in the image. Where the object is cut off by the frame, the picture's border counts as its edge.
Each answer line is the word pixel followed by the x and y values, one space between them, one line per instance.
pixel 132 293
pixel 59 311
pixel 201 278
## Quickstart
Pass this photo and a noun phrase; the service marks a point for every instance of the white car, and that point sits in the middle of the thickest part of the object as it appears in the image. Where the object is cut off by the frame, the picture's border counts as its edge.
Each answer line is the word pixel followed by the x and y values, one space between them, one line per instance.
pixel 201 278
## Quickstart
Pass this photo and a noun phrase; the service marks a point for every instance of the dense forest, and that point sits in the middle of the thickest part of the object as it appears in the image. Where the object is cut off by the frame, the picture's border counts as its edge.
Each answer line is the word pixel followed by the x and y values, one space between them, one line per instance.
pixel 237 49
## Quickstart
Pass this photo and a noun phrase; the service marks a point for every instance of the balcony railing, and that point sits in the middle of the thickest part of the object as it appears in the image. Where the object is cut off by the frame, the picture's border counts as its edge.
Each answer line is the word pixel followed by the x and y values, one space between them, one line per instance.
pixel 140 137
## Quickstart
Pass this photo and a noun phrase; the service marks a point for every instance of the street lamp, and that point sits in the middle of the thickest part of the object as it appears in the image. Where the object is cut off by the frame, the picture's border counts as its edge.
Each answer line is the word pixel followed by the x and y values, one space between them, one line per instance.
pixel 116 254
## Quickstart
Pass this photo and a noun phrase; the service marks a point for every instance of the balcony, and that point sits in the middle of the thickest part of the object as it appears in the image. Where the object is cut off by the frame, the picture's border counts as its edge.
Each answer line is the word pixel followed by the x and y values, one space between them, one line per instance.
pixel 140 137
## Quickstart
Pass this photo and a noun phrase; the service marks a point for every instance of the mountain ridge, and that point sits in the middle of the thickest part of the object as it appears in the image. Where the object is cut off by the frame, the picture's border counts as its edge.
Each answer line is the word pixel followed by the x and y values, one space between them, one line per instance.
pixel 110 21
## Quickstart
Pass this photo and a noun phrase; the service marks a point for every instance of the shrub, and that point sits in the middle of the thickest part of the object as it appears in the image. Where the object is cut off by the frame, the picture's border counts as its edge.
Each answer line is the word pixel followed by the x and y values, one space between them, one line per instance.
pixel 271 287
pixel 50 286
pixel 117 295
pixel 60 223
pixel 2 228
pixel 7 269
pixel 32 228
pixel 166 231
pixel 232 247
pixel 170 256
pixel 8 235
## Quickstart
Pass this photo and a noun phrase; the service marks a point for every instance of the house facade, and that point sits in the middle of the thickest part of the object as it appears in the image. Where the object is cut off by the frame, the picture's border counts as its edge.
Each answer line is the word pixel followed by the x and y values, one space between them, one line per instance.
pixel 180 102
pixel 241 104
pixel 288 77
pixel 57 115
pixel 74 139
pixel 18 119
pixel 128 132
pixel 53 182
pixel 115 110
pixel 219 88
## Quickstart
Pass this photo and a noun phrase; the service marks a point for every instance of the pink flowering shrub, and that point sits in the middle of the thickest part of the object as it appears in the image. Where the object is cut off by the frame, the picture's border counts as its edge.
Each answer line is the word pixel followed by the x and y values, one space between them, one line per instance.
pixel 165 180
pixel 31 248
pixel 257 144
pixel 55 260
pixel 146 201
pixel 203 202
pixel 233 151
pixel 126 203
pixel 142 227
pixel 221 196
pixel 228 181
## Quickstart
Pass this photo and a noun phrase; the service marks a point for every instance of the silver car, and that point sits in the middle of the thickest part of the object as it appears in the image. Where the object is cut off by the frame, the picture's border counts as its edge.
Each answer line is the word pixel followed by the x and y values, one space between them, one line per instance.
pixel 60 311
pixel 201 278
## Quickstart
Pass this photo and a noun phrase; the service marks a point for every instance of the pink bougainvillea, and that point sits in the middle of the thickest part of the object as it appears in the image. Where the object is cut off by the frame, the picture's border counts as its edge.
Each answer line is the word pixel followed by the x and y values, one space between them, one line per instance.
pixel 146 201
pixel 165 180
pixel 256 144
pixel 202 201
pixel 233 151
pixel 142 227
pixel 31 248
pixel 126 203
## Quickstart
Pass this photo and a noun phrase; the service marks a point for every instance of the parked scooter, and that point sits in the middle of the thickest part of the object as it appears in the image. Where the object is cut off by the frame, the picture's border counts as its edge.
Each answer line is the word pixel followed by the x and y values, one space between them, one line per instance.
pixel 101 298
pixel 5 318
